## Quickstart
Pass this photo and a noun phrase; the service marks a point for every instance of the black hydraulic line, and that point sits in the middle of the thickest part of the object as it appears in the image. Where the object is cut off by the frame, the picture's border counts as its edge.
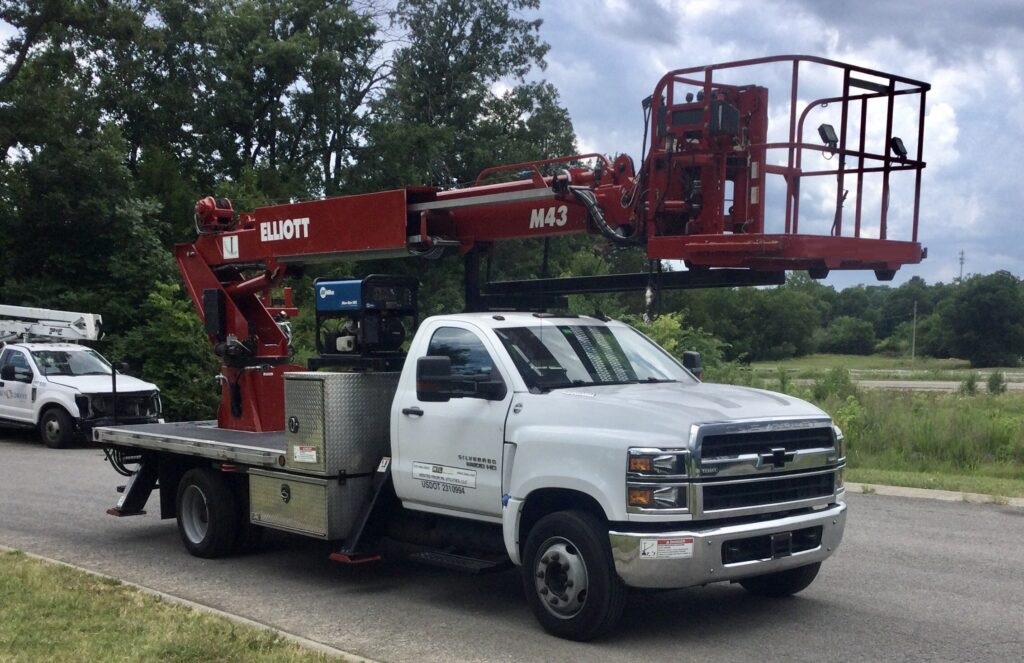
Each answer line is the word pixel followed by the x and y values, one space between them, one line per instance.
pixel 589 200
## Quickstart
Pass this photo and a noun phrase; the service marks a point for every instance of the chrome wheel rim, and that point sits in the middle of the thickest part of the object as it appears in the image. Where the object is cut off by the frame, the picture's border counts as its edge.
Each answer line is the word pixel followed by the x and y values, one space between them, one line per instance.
pixel 560 578
pixel 195 514
pixel 51 427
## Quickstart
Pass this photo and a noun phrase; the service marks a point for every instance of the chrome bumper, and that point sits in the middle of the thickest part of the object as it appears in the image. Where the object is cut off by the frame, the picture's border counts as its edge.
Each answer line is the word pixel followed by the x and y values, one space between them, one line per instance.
pixel 685 558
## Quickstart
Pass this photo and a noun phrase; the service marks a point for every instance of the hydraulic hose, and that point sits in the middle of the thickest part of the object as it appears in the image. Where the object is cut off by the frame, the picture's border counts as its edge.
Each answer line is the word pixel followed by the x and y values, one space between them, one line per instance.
pixel 589 200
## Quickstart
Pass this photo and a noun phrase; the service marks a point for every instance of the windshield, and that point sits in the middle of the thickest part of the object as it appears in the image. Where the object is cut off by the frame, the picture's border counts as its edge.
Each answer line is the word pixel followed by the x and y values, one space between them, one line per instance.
pixel 557 356
pixel 71 362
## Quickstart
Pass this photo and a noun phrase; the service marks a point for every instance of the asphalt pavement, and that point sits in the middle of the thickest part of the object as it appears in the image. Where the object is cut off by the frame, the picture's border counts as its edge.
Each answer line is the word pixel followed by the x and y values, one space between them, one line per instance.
pixel 915 579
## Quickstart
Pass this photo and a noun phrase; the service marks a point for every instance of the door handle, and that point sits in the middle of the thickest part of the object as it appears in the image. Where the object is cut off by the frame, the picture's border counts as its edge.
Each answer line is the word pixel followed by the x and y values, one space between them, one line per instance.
pixel 412 411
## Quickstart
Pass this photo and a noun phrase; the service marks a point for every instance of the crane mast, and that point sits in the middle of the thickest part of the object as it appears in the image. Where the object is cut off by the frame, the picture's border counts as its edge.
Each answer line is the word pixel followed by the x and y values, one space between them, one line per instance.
pixel 699 196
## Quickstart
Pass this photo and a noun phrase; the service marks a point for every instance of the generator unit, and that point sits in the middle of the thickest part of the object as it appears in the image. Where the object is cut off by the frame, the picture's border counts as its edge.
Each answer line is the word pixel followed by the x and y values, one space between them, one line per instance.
pixel 362 323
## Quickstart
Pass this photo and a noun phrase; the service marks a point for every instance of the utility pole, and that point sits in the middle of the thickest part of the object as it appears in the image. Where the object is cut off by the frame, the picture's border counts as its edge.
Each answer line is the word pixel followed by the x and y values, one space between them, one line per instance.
pixel 913 335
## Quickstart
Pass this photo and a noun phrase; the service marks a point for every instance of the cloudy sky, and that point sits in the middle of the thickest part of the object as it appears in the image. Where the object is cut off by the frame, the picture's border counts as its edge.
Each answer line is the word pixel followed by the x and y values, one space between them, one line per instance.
pixel 607 55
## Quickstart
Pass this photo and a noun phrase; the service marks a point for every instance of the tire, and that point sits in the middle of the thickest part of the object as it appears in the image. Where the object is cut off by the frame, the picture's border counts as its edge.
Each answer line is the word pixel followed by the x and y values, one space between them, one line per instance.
pixel 56 428
pixel 782 583
pixel 569 576
pixel 207 514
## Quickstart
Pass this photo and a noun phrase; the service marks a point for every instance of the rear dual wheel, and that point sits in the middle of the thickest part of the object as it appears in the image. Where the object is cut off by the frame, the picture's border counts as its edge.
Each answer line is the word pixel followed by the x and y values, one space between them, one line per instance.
pixel 213 514
pixel 207 513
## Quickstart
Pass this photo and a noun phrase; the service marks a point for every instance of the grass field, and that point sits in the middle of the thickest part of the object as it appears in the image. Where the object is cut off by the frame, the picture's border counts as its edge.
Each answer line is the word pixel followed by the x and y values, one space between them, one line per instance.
pixel 824 362
pixel 949 441
pixel 50 612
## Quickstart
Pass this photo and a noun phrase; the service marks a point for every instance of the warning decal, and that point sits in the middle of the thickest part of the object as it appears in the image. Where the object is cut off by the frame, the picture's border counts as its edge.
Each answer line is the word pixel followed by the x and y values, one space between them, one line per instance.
pixel 678 548
pixel 304 454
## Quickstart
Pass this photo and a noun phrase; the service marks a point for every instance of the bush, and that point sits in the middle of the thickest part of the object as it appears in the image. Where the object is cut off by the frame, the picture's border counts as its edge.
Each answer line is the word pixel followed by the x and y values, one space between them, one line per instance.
pixel 670 332
pixel 969 387
pixel 996 382
pixel 172 351
pixel 837 383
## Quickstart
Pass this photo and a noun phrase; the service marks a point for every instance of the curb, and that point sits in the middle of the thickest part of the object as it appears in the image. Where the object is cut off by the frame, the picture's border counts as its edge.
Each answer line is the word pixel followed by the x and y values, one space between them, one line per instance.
pixel 312 645
pixel 931 494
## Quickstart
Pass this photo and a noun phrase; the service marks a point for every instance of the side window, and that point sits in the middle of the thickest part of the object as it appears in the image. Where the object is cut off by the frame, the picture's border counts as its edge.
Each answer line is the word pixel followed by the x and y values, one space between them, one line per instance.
pixel 22 370
pixel 464 348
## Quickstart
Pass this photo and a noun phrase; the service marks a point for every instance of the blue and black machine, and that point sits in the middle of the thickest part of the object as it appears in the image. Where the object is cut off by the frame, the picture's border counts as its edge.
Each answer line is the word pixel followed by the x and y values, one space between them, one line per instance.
pixel 362 323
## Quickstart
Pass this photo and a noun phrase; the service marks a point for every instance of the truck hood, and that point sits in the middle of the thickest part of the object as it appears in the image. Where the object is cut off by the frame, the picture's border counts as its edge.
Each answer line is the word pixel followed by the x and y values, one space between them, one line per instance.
pixel 101 384
pixel 658 409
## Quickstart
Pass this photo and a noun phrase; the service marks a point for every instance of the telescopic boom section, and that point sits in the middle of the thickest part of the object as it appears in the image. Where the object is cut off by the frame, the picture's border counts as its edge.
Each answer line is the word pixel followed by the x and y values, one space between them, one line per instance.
pixel 710 175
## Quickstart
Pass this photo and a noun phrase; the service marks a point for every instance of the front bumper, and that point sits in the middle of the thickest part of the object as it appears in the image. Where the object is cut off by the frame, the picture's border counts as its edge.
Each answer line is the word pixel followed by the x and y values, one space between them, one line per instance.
pixel 685 558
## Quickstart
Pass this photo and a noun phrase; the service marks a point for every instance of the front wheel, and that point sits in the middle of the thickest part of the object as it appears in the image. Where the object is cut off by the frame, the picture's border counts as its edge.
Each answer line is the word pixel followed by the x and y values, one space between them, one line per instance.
pixel 56 428
pixel 569 576
pixel 782 583
pixel 207 513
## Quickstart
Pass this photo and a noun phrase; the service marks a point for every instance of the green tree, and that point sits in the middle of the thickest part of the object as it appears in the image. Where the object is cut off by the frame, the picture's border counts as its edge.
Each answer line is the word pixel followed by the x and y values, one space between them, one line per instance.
pixel 170 349
pixel 986 317
pixel 440 104
pixel 848 335
pixel 440 123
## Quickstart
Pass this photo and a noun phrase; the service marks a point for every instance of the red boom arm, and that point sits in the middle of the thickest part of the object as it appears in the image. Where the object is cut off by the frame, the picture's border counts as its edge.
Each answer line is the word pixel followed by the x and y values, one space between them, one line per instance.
pixel 700 196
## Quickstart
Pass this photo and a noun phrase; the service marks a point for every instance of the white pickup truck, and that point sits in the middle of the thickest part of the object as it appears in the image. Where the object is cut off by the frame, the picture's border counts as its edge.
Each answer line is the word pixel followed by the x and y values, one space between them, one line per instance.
pixel 573 447
pixel 63 389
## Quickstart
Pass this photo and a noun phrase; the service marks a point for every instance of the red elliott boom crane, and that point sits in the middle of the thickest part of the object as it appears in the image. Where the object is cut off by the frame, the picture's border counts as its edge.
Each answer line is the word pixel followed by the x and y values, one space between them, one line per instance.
pixel 699 196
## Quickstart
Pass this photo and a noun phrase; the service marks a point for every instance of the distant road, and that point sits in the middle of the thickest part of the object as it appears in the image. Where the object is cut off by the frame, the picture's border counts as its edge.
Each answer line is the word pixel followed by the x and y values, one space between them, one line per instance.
pixel 915 580
pixel 916 385
pixel 928 385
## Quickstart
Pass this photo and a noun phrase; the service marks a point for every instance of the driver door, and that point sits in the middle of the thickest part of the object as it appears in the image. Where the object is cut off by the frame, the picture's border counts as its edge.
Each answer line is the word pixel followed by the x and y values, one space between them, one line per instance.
pixel 16 392
pixel 450 452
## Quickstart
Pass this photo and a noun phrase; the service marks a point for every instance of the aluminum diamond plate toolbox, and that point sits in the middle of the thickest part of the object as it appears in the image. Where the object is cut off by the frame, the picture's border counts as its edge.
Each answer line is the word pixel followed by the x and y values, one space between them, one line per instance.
pixel 337 422
pixel 321 508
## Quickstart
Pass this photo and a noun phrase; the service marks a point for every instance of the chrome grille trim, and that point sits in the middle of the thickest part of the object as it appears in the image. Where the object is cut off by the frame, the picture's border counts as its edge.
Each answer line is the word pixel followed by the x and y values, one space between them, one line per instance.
pixel 759 466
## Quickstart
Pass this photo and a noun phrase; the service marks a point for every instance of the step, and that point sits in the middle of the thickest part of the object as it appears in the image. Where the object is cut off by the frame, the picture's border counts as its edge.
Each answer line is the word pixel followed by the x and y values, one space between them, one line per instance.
pixel 462 563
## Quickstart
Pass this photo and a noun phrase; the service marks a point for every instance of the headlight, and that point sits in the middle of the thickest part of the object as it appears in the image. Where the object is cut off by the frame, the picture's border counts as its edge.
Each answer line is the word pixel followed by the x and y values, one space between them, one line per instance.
pixel 661 463
pixel 656 480
pixel 657 497
pixel 102 405
pixel 840 441
pixel 82 402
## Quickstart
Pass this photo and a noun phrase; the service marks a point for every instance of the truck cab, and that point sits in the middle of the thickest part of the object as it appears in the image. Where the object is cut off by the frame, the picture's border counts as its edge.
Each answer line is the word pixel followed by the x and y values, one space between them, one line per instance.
pixel 63 389
pixel 587 442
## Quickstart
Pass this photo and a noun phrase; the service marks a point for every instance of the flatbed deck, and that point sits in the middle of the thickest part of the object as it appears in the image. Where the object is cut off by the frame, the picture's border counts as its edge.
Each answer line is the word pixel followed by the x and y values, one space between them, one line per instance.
pixel 198 438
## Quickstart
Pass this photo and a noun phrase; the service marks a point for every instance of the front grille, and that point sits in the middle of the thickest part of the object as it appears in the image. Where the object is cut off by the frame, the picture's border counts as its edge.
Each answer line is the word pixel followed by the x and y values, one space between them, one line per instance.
pixel 129 404
pixel 767 491
pixel 760 442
